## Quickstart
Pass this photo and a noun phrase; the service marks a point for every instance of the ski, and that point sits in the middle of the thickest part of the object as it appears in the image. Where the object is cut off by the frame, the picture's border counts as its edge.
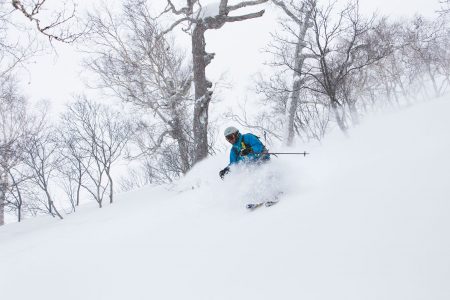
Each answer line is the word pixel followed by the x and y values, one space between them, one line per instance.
pixel 270 203
pixel 252 206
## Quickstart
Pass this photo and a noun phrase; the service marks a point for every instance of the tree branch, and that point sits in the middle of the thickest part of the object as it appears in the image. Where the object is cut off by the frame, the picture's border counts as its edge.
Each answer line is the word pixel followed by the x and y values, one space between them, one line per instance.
pixel 175 24
pixel 60 19
pixel 244 4
pixel 245 17
pixel 287 11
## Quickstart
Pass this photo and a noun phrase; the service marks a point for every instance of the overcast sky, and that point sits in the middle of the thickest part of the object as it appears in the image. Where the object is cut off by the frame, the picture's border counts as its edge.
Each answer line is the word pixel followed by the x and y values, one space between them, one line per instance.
pixel 56 78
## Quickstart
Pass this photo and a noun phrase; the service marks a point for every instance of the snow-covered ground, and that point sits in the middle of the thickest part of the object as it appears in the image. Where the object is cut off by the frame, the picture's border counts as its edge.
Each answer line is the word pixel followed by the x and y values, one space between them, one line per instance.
pixel 365 217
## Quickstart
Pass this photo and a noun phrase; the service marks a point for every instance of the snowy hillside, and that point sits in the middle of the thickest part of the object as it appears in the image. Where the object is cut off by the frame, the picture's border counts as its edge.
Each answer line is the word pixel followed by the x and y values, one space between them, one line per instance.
pixel 366 217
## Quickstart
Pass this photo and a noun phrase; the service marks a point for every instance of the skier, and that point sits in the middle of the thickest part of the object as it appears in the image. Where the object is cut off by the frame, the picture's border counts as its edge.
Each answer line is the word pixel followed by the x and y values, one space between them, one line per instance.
pixel 247 148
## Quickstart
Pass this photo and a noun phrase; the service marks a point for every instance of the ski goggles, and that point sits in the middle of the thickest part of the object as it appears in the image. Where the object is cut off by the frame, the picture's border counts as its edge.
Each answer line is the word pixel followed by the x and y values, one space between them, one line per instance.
pixel 230 137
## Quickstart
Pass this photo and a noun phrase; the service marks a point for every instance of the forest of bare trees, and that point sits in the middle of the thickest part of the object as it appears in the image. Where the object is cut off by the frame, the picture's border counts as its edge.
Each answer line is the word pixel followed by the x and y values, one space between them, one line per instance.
pixel 334 65
pixel 329 65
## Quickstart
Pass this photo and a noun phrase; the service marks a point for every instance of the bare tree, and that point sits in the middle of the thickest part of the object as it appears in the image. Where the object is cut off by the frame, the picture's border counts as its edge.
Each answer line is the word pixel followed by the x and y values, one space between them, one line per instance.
pixel 327 57
pixel 73 164
pixel 199 19
pixel 352 64
pixel 300 15
pixel 42 158
pixel 311 118
pixel 100 134
pixel 14 128
pixel 144 68
pixel 420 59
pixel 16 46
pixel 445 7
pixel 342 43
pixel 21 192
pixel 134 180
pixel 427 46
pixel 61 24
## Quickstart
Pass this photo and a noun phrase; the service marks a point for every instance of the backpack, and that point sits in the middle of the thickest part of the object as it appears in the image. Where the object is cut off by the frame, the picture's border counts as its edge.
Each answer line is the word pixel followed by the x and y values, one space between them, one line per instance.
pixel 244 145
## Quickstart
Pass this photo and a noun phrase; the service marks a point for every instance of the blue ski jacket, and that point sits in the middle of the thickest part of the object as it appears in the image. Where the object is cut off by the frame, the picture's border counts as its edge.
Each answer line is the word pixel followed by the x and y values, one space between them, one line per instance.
pixel 245 141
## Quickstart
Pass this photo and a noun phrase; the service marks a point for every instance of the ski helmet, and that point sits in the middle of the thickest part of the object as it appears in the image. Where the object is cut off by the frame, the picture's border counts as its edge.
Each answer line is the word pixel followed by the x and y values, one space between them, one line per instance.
pixel 230 130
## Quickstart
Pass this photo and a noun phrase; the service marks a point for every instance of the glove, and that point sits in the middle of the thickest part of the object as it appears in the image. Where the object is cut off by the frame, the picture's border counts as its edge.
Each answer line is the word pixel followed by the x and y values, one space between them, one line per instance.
pixel 246 151
pixel 223 172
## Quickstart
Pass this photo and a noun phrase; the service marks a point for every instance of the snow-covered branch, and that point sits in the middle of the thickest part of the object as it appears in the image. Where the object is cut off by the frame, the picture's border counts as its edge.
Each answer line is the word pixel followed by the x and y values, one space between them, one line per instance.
pixel 245 4
pixel 245 17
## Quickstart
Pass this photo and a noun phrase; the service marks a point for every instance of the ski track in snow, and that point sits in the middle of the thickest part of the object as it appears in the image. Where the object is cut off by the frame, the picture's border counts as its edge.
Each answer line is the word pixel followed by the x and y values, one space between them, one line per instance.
pixel 365 217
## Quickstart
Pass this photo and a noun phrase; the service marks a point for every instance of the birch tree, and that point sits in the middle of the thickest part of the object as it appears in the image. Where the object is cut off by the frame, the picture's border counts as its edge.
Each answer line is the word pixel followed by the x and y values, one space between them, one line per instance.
pixel 198 20
pixel 142 67
pixel 21 192
pixel 42 158
pixel 73 169
pixel 101 135
pixel 300 15
pixel 14 129
pixel 427 45
pixel 342 42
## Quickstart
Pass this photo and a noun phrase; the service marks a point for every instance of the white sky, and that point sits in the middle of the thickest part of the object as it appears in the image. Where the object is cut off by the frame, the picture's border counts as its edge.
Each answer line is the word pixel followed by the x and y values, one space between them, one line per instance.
pixel 237 47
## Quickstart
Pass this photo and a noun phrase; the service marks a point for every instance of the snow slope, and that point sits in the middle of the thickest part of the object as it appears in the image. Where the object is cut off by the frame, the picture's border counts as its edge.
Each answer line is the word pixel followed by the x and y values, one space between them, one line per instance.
pixel 365 217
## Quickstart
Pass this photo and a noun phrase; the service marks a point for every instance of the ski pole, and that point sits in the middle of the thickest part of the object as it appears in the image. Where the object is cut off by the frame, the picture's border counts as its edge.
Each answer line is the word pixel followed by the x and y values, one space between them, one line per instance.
pixel 293 153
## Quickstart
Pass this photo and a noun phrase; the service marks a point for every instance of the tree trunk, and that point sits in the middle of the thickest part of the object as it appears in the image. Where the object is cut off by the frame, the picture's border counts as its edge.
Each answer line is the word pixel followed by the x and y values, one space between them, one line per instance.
pixel 99 198
pixel 111 190
pixel 292 103
pixel 19 213
pixel 79 182
pixel 183 146
pixel 2 202
pixel 52 206
pixel 202 95
pixel 4 183
pixel 433 80
pixel 338 116
pixel 19 198
pixel 353 113
pixel 291 109
pixel 78 194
